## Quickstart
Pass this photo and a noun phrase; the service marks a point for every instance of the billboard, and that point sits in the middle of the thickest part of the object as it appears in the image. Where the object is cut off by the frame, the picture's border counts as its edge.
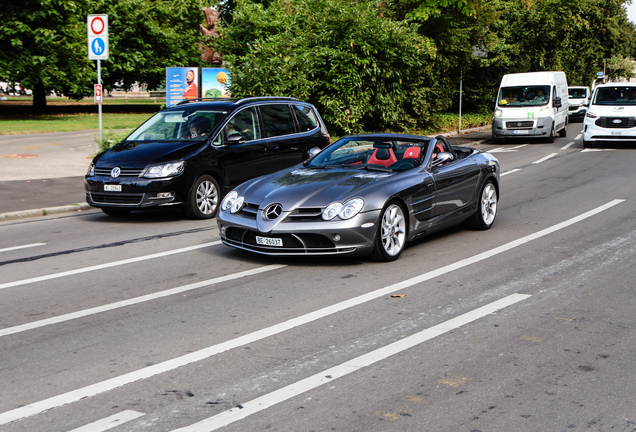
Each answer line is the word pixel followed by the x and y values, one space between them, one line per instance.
pixel 181 83
pixel 215 83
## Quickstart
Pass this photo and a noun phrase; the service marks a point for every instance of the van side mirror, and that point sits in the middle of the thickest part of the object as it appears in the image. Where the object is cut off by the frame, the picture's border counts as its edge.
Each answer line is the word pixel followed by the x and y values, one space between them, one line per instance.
pixel 557 102
pixel 586 102
pixel 491 104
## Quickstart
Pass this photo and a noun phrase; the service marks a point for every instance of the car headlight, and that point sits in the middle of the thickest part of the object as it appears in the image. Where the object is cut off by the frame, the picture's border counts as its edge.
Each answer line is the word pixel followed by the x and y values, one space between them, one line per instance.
pixel 232 202
pixel 590 115
pixel 343 211
pixel 498 113
pixel 164 170
pixel 91 170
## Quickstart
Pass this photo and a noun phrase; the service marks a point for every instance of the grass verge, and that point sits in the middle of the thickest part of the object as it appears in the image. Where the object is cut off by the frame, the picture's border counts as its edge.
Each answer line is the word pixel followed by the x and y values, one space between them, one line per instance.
pixel 70 123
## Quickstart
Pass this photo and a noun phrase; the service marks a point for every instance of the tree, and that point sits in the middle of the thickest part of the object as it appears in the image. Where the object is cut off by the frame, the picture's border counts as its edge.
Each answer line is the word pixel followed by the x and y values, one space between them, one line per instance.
pixel 360 69
pixel 45 43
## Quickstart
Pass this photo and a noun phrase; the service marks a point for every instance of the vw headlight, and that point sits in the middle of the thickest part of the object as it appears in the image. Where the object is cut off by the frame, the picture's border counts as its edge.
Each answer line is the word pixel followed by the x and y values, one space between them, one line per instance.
pixel 343 211
pixel 164 170
pixel 232 202
pixel 590 115
pixel 91 170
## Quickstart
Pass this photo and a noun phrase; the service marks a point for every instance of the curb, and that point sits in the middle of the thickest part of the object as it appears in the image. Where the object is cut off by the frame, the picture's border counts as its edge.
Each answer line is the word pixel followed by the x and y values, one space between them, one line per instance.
pixel 43 211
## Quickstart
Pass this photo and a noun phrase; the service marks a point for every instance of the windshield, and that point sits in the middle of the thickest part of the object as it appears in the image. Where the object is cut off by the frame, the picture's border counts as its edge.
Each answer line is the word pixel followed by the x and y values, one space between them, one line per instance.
pixel 178 125
pixel 619 95
pixel 577 93
pixel 372 153
pixel 524 96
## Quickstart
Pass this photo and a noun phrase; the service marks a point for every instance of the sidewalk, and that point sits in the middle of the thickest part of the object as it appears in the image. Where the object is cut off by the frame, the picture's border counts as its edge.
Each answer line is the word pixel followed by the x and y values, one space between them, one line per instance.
pixel 43 174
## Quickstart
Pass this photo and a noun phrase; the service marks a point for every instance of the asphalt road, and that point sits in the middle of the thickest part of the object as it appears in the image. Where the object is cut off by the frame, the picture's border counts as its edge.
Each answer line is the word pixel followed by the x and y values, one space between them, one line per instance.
pixel 148 323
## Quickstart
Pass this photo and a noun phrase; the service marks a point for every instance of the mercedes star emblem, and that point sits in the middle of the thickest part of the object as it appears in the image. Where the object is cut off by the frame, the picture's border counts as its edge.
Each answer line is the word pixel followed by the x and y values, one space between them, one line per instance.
pixel 272 211
pixel 114 173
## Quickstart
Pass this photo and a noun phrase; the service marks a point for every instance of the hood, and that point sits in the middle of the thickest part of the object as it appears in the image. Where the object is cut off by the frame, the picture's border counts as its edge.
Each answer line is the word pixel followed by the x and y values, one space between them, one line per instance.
pixel 138 154
pixel 613 110
pixel 309 187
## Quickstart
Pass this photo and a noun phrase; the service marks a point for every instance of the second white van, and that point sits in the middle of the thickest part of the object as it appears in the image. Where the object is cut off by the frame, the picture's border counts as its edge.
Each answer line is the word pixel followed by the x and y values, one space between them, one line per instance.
pixel 533 104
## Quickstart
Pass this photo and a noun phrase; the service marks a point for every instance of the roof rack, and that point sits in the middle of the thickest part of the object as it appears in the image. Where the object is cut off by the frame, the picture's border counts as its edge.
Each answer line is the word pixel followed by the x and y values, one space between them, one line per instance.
pixel 269 97
pixel 185 101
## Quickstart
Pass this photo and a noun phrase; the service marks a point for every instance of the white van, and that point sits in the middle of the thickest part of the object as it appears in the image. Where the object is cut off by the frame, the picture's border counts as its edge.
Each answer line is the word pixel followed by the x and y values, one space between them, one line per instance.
pixel 533 104
pixel 610 116
pixel 578 98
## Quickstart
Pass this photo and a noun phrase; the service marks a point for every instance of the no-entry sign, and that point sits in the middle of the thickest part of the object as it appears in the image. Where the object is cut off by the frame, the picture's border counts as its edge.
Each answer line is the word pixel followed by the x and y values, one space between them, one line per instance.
pixel 98 37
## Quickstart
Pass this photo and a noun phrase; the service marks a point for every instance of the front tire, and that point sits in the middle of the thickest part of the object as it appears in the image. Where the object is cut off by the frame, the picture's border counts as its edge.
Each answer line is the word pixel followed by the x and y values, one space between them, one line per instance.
pixel 390 236
pixel 204 198
pixel 550 139
pixel 564 132
pixel 487 208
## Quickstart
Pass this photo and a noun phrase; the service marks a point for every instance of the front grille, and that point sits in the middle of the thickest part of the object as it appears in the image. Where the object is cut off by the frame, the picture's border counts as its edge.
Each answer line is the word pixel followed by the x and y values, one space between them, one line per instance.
pixel 250 210
pixel 292 243
pixel 125 172
pixel 116 198
pixel 519 124
pixel 304 215
pixel 616 122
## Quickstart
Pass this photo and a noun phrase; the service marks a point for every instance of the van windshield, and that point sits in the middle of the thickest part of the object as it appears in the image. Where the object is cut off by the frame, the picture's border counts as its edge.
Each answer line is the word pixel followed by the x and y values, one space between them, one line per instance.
pixel 619 95
pixel 524 96
pixel 178 125
pixel 577 93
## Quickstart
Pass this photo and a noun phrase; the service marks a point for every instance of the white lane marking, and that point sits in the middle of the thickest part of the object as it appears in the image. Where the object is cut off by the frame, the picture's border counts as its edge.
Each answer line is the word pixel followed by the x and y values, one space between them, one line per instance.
pixel 595 150
pixel 21 247
pixel 259 404
pixel 168 365
pixel 135 300
pixel 578 137
pixel 501 150
pixel 109 422
pixel 106 265
pixel 567 146
pixel 545 158
pixel 518 147
pixel 509 172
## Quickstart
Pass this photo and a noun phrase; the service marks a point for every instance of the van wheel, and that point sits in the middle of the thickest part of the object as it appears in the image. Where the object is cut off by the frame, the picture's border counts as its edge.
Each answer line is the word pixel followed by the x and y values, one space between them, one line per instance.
pixel 551 137
pixel 204 198
pixel 564 132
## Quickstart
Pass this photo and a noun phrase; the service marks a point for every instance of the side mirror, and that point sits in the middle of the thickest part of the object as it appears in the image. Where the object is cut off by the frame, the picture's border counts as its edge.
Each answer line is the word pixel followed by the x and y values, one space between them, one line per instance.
pixel 235 139
pixel 313 152
pixel 442 158
pixel 491 104
pixel 586 102
pixel 557 102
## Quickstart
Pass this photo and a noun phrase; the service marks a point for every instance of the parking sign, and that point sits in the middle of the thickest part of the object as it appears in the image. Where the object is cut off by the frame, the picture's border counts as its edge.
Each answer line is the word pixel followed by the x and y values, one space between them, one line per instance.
pixel 98 37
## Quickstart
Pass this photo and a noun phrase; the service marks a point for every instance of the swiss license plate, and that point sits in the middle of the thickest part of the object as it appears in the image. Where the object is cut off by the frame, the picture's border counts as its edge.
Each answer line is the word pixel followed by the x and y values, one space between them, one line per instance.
pixel 112 188
pixel 617 132
pixel 268 241
pixel 520 132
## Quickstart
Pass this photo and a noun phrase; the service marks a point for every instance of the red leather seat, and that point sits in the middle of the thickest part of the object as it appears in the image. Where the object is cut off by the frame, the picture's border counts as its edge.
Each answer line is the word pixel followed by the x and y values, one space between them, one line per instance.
pixel 412 153
pixel 382 156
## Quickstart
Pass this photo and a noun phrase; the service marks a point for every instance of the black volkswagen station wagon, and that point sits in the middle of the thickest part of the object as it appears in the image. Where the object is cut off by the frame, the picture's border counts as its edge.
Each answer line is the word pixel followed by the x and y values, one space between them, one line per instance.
pixel 189 156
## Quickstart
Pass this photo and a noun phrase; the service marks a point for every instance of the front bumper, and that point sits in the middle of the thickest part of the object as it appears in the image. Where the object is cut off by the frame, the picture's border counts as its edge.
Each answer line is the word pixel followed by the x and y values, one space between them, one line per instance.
pixel 136 193
pixel 609 129
pixel 521 128
pixel 307 237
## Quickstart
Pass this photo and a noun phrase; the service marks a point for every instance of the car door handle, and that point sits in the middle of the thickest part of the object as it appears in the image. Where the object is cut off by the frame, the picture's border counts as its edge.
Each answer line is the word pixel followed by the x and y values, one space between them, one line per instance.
pixel 274 147
pixel 263 149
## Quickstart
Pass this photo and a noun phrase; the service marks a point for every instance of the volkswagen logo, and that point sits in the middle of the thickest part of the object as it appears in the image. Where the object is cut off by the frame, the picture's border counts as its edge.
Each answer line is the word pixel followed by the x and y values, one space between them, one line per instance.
pixel 114 173
pixel 272 211
pixel 617 121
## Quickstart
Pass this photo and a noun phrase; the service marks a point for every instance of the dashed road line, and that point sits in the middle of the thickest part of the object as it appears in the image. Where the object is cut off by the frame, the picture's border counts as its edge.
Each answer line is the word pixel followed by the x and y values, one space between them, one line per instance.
pixel 168 365
pixel 551 155
pixel 109 422
pixel 135 300
pixel 259 404
pixel 509 172
pixel 22 247
pixel 567 146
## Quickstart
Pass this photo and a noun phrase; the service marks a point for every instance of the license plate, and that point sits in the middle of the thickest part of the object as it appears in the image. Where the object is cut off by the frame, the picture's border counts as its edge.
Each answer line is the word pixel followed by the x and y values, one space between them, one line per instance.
pixel 520 132
pixel 617 132
pixel 267 241
pixel 112 188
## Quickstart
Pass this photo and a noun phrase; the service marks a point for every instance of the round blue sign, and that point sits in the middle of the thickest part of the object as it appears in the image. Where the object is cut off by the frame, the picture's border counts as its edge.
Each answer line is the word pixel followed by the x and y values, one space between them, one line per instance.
pixel 98 46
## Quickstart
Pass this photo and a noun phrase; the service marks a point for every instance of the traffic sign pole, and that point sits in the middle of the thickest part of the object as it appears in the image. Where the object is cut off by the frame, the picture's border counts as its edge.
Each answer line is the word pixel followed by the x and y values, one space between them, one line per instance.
pixel 99 104
pixel 98 50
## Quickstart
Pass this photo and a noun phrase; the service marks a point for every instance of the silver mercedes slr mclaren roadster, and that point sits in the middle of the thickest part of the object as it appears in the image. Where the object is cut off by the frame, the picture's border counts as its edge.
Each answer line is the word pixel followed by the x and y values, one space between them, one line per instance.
pixel 363 194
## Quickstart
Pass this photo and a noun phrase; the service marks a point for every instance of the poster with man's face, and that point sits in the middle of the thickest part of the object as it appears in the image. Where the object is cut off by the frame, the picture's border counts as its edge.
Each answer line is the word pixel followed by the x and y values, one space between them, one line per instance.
pixel 181 83
pixel 215 83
